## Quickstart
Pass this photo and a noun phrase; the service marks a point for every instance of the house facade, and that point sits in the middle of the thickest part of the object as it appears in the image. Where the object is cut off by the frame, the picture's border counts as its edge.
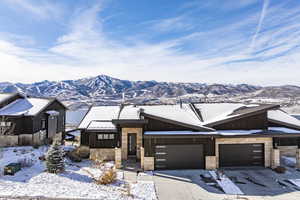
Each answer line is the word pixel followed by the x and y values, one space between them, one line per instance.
pixel 191 136
pixel 30 121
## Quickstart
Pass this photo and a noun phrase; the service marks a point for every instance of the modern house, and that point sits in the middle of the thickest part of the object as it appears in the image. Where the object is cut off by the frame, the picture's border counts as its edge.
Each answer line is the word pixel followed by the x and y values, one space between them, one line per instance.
pixel 191 136
pixel 30 121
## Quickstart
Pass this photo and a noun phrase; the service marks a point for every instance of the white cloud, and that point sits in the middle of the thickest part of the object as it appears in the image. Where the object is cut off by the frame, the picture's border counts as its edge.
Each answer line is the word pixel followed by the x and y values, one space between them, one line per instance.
pixel 87 51
pixel 43 9
pixel 179 23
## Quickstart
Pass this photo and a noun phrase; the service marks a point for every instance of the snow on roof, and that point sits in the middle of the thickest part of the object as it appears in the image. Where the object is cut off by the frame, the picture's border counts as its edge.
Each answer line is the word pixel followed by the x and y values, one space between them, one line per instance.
pixel 214 111
pixel 4 96
pixel 178 133
pixel 283 130
pixel 271 130
pixel 183 114
pixel 103 125
pixel 99 113
pixel 52 113
pixel 281 116
pixel 27 106
pixel 129 112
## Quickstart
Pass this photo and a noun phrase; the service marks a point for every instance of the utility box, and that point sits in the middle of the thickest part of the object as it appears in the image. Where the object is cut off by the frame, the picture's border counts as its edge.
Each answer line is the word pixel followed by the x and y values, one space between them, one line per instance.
pixel 12 168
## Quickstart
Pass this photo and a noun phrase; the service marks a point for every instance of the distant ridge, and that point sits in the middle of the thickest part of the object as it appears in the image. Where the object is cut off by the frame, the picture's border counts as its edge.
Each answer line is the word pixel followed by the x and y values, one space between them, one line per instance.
pixel 106 90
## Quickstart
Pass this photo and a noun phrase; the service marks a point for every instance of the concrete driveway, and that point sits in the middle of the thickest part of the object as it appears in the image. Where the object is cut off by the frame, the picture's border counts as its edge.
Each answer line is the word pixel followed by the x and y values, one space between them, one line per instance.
pixel 188 185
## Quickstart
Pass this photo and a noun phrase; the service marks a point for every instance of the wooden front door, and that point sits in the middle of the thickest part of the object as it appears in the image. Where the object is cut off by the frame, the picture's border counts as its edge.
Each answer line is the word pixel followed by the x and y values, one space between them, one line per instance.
pixel 131 144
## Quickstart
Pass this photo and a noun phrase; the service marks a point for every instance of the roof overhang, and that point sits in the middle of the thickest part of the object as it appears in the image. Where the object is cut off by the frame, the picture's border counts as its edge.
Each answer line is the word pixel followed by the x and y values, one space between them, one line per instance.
pixel 241 116
pixel 284 124
pixel 200 128
pixel 129 121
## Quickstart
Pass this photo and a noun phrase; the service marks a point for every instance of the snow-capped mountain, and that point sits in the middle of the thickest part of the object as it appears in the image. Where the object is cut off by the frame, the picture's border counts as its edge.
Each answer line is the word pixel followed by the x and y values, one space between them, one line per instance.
pixel 107 90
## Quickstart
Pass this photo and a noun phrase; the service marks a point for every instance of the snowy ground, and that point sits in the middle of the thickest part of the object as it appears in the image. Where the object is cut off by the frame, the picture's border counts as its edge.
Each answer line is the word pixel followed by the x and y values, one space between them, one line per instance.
pixel 75 182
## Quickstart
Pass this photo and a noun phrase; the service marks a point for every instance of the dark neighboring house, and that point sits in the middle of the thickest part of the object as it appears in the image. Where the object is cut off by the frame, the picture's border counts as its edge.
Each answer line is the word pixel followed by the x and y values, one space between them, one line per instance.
pixel 30 120
pixel 186 136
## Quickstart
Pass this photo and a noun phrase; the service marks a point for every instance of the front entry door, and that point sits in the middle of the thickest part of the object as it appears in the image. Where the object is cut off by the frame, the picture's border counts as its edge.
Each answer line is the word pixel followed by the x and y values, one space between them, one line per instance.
pixel 131 144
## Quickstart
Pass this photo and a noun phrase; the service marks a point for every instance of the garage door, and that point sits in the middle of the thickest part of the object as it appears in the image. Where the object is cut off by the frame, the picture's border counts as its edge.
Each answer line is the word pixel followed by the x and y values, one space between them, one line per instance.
pixel 232 155
pixel 179 157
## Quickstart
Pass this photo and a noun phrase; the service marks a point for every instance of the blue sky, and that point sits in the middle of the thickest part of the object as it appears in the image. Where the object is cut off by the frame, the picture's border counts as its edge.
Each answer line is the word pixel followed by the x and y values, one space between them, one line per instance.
pixel 215 41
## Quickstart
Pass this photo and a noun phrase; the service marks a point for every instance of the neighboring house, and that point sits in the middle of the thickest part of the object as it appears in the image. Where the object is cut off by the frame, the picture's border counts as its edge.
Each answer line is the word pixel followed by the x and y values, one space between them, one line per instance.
pixel 29 120
pixel 186 136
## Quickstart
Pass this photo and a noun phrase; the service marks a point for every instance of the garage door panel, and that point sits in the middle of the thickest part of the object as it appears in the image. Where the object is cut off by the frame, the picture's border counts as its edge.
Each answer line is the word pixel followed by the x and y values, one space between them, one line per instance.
pixel 179 156
pixel 241 155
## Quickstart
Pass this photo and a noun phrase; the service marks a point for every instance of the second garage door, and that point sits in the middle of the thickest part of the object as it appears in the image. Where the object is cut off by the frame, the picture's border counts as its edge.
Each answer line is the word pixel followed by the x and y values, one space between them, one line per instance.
pixel 179 157
pixel 232 155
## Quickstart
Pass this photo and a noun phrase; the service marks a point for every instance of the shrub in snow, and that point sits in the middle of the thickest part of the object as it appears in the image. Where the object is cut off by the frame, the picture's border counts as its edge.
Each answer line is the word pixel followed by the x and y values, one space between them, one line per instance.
pixel 280 170
pixel 83 152
pixel 108 177
pixel 26 162
pixel 55 158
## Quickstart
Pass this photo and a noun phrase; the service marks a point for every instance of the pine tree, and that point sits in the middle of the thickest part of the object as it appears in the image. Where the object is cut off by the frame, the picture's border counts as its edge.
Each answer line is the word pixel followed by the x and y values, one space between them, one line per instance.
pixel 55 158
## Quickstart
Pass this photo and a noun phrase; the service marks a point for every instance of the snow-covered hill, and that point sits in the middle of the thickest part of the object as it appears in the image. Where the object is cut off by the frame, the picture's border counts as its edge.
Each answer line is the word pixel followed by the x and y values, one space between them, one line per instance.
pixel 105 90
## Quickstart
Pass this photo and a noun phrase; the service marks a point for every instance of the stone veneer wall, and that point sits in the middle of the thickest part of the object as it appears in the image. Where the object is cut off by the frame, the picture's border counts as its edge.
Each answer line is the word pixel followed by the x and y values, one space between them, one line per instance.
pixel 275 158
pixel 118 158
pixel 142 157
pixel 210 162
pixel 103 154
pixel 298 159
pixel 139 141
pixel 148 163
pixel 267 141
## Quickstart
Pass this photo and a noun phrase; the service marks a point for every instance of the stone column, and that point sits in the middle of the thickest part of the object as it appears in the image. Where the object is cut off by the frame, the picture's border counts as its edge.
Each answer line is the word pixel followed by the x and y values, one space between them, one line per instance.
pixel 142 157
pixel 118 158
pixel 148 163
pixel 275 158
pixel 210 162
pixel 298 159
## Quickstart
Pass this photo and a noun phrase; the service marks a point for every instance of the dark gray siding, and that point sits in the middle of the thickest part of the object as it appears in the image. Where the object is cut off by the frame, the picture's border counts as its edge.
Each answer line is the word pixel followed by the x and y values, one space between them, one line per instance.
pixel 95 143
pixel 156 125
pixel 258 121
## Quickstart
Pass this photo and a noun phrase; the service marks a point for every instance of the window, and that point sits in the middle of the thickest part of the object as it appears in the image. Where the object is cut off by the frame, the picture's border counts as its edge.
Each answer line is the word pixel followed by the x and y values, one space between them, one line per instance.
pixel 106 136
pixel 43 124
pixel 100 136
pixel 111 136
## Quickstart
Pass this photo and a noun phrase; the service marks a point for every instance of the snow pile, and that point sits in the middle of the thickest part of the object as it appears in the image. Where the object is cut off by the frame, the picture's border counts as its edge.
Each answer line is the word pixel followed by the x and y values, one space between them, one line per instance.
pixel 76 182
pixel 288 161
pixel 226 184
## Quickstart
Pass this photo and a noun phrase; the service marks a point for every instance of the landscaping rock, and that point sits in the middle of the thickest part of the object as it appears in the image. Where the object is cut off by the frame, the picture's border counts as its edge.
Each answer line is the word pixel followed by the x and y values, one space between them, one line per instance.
pixel 72 155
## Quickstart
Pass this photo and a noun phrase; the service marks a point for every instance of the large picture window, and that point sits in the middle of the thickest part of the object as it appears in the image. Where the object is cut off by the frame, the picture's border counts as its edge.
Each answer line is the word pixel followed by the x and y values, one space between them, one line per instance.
pixel 108 136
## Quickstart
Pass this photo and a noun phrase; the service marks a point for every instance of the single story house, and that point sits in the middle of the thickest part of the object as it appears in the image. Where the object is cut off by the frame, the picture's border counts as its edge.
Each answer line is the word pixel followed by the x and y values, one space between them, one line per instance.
pixel 29 120
pixel 191 136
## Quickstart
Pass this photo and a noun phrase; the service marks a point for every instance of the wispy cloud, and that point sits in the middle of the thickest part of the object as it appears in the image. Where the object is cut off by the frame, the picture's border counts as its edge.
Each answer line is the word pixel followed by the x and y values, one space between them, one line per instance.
pixel 260 23
pixel 178 23
pixel 43 9
pixel 218 55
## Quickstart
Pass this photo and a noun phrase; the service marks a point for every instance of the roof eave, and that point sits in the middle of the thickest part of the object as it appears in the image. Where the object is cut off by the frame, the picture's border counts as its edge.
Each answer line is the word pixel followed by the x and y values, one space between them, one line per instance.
pixel 200 128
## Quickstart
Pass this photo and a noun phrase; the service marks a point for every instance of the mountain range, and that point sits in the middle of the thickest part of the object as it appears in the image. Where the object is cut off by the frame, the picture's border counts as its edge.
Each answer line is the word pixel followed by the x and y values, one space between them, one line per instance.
pixel 106 90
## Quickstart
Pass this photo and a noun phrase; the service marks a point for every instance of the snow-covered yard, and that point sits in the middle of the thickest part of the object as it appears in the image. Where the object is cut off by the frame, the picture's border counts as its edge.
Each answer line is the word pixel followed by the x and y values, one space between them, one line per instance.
pixel 75 182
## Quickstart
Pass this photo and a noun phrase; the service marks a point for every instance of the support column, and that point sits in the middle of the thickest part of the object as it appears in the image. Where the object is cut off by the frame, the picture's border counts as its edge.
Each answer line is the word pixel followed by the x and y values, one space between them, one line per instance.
pixel 118 158
pixel 142 157
pixel 275 158
pixel 148 163
pixel 298 159
pixel 210 162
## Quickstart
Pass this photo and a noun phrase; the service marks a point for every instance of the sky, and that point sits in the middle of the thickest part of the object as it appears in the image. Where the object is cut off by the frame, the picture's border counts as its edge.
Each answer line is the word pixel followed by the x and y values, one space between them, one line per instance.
pixel 216 41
